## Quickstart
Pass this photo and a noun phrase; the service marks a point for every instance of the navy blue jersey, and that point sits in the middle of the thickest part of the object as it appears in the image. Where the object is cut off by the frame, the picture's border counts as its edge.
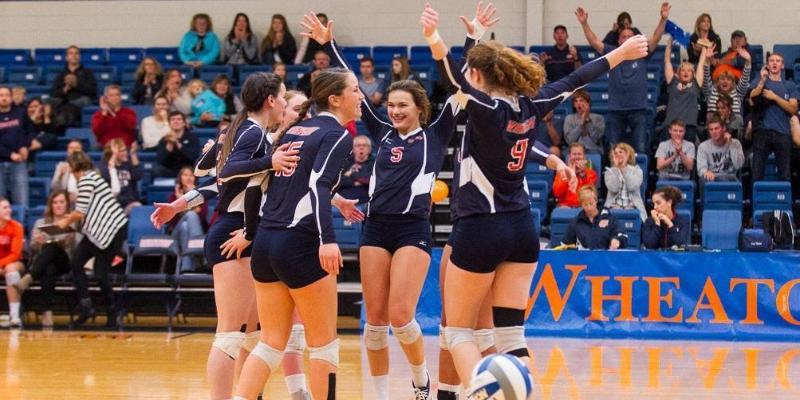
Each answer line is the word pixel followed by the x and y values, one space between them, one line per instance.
pixel 406 165
pixel 300 198
pixel 499 139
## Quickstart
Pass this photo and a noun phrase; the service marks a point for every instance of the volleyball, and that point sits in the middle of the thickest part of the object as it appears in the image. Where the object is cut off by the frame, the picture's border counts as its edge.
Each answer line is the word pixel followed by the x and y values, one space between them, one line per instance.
pixel 439 191
pixel 500 377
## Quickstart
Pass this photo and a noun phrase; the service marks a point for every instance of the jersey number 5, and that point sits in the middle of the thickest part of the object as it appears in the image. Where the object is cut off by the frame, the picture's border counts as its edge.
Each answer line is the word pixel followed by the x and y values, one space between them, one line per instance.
pixel 397 154
pixel 289 171
pixel 518 155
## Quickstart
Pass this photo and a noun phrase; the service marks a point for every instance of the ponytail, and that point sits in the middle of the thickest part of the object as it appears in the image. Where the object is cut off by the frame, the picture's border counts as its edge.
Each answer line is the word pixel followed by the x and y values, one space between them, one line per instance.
pixel 227 143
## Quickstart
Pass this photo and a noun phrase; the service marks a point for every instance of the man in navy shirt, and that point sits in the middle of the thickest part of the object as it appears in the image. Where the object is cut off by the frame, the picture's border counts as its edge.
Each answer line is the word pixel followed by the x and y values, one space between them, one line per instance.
pixel 627 84
pixel 774 101
pixel 16 132
pixel 561 59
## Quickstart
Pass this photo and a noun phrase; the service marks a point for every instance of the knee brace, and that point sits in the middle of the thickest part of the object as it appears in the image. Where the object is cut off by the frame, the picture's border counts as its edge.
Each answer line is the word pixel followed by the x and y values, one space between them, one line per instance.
pixel 376 337
pixel 442 340
pixel 454 335
pixel 509 332
pixel 297 340
pixel 408 333
pixel 269 355
pixel 251 340
pixel 229 343
pixel 485 339
pixel 328 352
pixel 12 277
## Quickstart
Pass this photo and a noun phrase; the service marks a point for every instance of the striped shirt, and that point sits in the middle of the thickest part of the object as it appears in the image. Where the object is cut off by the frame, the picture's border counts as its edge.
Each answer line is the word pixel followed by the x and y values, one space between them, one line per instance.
pixel 103 215
pixel 737 93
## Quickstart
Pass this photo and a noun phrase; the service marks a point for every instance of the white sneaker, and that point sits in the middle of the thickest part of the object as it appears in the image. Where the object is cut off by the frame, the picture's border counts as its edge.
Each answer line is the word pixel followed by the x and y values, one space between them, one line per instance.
pixel 15 323
pixel 5 321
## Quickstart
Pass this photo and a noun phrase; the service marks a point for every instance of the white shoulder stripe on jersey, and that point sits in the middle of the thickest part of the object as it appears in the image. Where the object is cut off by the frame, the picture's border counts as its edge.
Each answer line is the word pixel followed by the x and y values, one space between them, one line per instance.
pixel 260 142
pixel 540 152
pixel 461 90
pixel 314 177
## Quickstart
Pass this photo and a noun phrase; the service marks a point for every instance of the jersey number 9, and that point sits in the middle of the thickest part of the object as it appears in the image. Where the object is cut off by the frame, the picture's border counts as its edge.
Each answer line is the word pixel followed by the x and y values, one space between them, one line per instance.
pixel 518 155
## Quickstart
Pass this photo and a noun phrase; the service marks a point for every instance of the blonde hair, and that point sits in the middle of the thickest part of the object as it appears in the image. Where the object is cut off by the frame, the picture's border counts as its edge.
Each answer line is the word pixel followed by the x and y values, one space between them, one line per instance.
pixel 507 69
pixel 626 147
pixel 585 191
pixel 686 64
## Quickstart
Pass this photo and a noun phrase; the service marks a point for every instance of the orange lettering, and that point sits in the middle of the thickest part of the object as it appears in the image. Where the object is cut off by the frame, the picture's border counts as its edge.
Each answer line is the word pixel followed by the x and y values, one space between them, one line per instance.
pixel 714 304
pixel 751 367
pixel 548 282
pixel 783 368
pixel 656 299
pixel 782 302
pixel 751 288
pixel 556 365
pixel 625 298
pixel 714 366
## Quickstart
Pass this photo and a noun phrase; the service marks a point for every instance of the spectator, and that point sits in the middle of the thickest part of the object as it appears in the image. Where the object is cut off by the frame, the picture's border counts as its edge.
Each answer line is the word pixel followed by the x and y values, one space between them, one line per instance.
pixel 721 156
pixel 592 228
pixel 122 174
pixel 12 239
pixel 190 223
pixel 566 197
pixel 45 132
pixel 199 46
pixel 50 253
pixel 193 90
pixel 774 101
pixel 732 61
pixel 728 83
pixel 18 96
pixel 310 47
pixel 666 228
pixel 703 29
pixel 675 156
pixel 623 180
pixel 583 126
pixel 623 22
pixel 209 107
pixel 241 45
pixel 178 96
pixel 279 69
pixel 179 148
pixel 149 79
pixel 16 131
pixel 401 70
pixel 683 91
pixel 731 122
pixel 62 176
pixel 74 88
pixel 223 89
pixel 548 135
pixel 104 229
pixel 372 86
pixel 354 183
pixel 563 58
pixel 156 126
pixel 321 61
pixel 113 120
pixel 279 44
pixel 627 85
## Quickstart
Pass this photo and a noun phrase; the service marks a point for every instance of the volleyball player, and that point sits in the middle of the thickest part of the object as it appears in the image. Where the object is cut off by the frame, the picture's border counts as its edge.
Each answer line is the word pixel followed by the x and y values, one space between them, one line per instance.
pixel 494 242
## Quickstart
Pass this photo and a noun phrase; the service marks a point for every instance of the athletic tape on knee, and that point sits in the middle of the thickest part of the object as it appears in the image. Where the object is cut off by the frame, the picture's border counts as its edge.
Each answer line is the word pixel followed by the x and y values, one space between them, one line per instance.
pixel 376 337
pixel 442 341
pixel 511 340
pixel 485 339
pixel 12 277
pixel 329 353
pixel 297 340
pixel 229 342
pixel 251 340
pixel 407 333
pixel 269 355
pixel 455 335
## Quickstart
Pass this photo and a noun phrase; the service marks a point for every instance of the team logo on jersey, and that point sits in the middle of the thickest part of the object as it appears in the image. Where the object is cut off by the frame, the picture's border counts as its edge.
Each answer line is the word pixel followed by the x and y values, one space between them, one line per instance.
pixel 416 138
pixel 302 130
pixel 397 154
pixel 521 128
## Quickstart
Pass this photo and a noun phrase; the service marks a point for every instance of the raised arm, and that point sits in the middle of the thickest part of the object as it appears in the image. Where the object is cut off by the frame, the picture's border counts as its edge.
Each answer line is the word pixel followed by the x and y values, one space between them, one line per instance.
pixel 662 23
pixel 699 73
pixel 591 37
pixel 744 80
pixel 669 72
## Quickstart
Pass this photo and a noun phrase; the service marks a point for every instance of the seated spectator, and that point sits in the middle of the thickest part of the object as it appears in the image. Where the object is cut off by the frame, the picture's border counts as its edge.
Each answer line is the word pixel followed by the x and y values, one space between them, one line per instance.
pixel 279 44
pixel 178 149
pixel 240 47
pixel 200 45
pixel 223 89
pixel 775 101
pixel 190 223
pixel 623 180
pixel 703 29
pixel 592 228
pixel 45 132
pixel 566 197
pixel 623 22
pixel 193 90
pixel 401 70
pixel 74 88
pixel 19 96
pixel 62 176
pixel 721 156
pixel 16 132
pixel 310 47
pixel 113 120
pixel 321 61
pixel 732 60
pixel 354 183
pixel 563 58
pixel 122 173
pixel 731 122
pixel 583 126
pixel 279 69
pixel 209 107
pixel 372 86
pixel 177 95
pixel 683 91
pixel 149 79
pixel 548 135
pixel 12 239
pixel 665 228
pixel 675 156
pixel 725 82
pixel 156 126
pixel 50 253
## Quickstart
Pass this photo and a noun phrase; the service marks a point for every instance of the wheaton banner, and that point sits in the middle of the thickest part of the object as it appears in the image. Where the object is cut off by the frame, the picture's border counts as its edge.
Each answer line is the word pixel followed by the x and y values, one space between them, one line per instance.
pixel 653 294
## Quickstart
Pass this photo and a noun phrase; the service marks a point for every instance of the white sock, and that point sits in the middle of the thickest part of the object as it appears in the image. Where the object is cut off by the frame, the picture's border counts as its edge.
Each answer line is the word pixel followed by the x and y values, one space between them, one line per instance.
pixel 419 374
pixel 449 388
pixel 296 383
pixel 381 386
pixel 13 310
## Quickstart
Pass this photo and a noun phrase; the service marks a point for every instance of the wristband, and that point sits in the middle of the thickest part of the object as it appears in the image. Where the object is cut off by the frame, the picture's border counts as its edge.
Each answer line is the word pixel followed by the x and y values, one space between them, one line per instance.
pixel 433 38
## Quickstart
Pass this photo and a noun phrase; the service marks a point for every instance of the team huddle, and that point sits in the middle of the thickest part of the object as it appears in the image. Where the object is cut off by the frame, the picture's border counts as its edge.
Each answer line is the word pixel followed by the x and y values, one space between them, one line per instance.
pixel 274 254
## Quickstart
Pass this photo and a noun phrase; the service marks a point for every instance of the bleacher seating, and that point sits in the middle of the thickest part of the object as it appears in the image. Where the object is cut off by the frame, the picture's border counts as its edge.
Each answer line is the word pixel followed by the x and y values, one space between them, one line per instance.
pixel 24 75
pixel 559 220
pixel 385 54
pixel 49 56
pixel 348 234
pixel 539 191
pixel 790 52
pixel 167 56
pixel 11 57
pixel 125 55
pixel 722 196
pixel 721 229
pixel 629 222
pixel 247 70
pixel 352 54
pixel 210 72
pixel 687 188
pixel 769 196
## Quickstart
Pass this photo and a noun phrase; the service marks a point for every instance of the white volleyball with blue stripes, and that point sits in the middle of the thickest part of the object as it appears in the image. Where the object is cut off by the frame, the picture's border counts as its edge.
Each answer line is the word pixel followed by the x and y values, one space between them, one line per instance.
pixel 500 377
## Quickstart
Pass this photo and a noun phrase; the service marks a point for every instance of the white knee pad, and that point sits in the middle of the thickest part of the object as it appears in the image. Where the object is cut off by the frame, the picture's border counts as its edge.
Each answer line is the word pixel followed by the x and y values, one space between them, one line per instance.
pixel 229 342
pixel 485 339
pixel 510 339
pixel 329 353
pixel 297 340
pixel 442 340
pixel 408 333
pixel 12 277
pixel 251 340
pixel 269 355
pixel 455 335
pixel 376 337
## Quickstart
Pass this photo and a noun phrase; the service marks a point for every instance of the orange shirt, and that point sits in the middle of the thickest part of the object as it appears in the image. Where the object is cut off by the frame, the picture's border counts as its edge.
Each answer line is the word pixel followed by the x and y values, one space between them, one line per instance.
pixel 11 240
pixel 564 197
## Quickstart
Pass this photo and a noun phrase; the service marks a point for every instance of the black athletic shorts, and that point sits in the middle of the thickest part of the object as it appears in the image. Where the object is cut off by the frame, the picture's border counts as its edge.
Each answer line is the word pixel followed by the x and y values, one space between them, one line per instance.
pixel 219 233
pixel 392 232
pixel 286 255
pixel 481 242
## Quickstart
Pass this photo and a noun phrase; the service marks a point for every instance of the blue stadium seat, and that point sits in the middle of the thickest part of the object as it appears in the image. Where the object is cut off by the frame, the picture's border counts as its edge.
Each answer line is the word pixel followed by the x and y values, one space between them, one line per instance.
pixel 293 75
pixel 425 75
pixel 385 54
pixel 790 52
pixel 63 142
pixel 537 220
pixel 141 112
pixel 757 52
pixel 687 187
pixel 50 56
pixel 539 190
pixel 210 72
pixel 352 54
pixel 421 55
pixel 46 162
pixel 538 172
pixel 18 213
pixel 94 56
pixel 125 55
pixel 159 193
pixel 559 220
pixel 145 240
pixel 51 73
pixel 771 168
pixel 203 134
pixel 247 70
pixel 38 190
pixel 538 49
pixel 2 74
pixel 105 73
pixel 167 56
pixel 348 235
pixel 40 91
pixel 721 229
pixel 722 196
pixel 31 216
pixel 127 74
pixel 643 162
pixel 12 57
pixel 187 72
pixel 629 222
pixel 770 195
pixel 82 133
pixel 24 75
pixel 86 115
pixel 588 53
